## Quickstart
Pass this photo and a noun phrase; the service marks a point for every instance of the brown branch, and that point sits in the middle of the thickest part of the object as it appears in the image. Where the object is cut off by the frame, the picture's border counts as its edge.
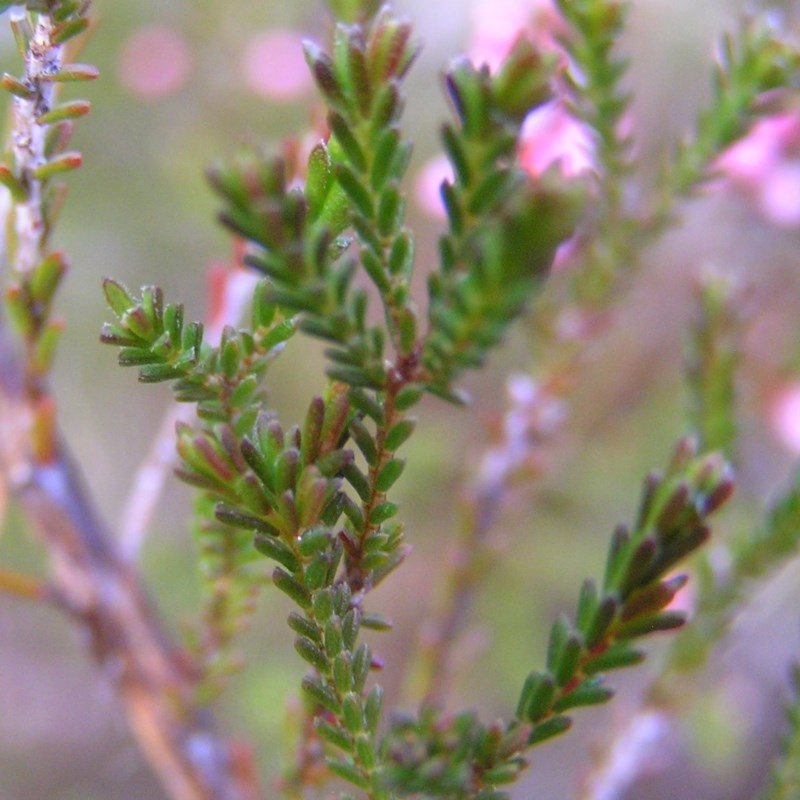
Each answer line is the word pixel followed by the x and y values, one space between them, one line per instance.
pixel 104 595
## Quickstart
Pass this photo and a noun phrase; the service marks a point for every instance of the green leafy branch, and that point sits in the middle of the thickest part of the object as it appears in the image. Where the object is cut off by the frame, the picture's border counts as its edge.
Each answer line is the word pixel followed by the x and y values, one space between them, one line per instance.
pixel 712 368
pixel 594 79
pixel 320 508
pixel 37 157
pixel 224 382
pixel 504 227
pixel 458 757
pixel 361 82
pixel 750 65
pixel 714 347
pixel 753 555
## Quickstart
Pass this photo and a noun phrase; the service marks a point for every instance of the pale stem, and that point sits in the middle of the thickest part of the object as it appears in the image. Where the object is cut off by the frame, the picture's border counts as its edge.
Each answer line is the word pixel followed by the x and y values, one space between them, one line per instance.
pixel 534 413
pixel 28 142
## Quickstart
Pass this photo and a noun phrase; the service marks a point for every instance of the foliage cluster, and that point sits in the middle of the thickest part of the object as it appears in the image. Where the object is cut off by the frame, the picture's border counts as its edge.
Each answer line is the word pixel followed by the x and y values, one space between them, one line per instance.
pixel 329 243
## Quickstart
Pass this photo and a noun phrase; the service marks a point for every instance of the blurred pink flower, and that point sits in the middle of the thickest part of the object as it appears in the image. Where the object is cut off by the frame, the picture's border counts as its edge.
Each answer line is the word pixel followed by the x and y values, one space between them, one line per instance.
pixel 273 65
pixel 766 165
pixel 552 136
pixel 154 62
pixel 784 416
pixel 779 194
pixel 497 23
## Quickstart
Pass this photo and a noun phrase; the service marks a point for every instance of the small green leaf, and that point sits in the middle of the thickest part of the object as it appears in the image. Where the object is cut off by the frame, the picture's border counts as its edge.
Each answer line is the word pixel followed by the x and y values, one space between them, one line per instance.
pixel 353 512
pixel 57 165
pixel 355 190
pixel 45 347
pixel 569 659
pixel 456 155
pixel 323 605
pixel 384 158
pixel 362 661
pixel 372 709
pixel 382 512
pixel 272 547
pixel 292 588
pixel 401 254
pixel 71 73
pixel 309 652
pixel 353 712
pixel 321 693
pixel 324 73
pixel 617 656
pixel 653 597
pixel 318 179
pixel 358 75
pixel 365 751
pixel 590 693
pixel 653 623
pixel 389 473
pixel 363 438
pixel 68 29
pixel 391 51
pixel 333 734
pixel 554 726
pixel 375 622
pixel 604 615
pixel 286 470
pixel 523 80
pixel 391 208
pixel 587 605
pixel 305 627
pixel 358 481
pixel 66 111
pixel 537 695
pixel 347 770
pixel 347 141
pixel 333 638
pixel 16 87
pixel 317 572
pixel 374 267
pixel 156 373
pixel 343 672
pixel 240 519
pixel 351 624
pixel 408 396
pixel 19 192
pixel 314 540
pixel 46 277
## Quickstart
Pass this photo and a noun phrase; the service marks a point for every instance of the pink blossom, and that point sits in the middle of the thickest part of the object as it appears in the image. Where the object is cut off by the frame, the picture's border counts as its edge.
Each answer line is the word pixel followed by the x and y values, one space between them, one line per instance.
pixel 779 194
pixel 497 23
pixel 273 65
pixel 154 62
pixel 552 136
pixel 766 165
pixel 784 416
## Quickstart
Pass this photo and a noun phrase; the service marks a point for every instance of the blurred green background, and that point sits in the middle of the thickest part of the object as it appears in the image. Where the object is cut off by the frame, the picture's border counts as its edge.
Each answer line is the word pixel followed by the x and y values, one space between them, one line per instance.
pixel 139 210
